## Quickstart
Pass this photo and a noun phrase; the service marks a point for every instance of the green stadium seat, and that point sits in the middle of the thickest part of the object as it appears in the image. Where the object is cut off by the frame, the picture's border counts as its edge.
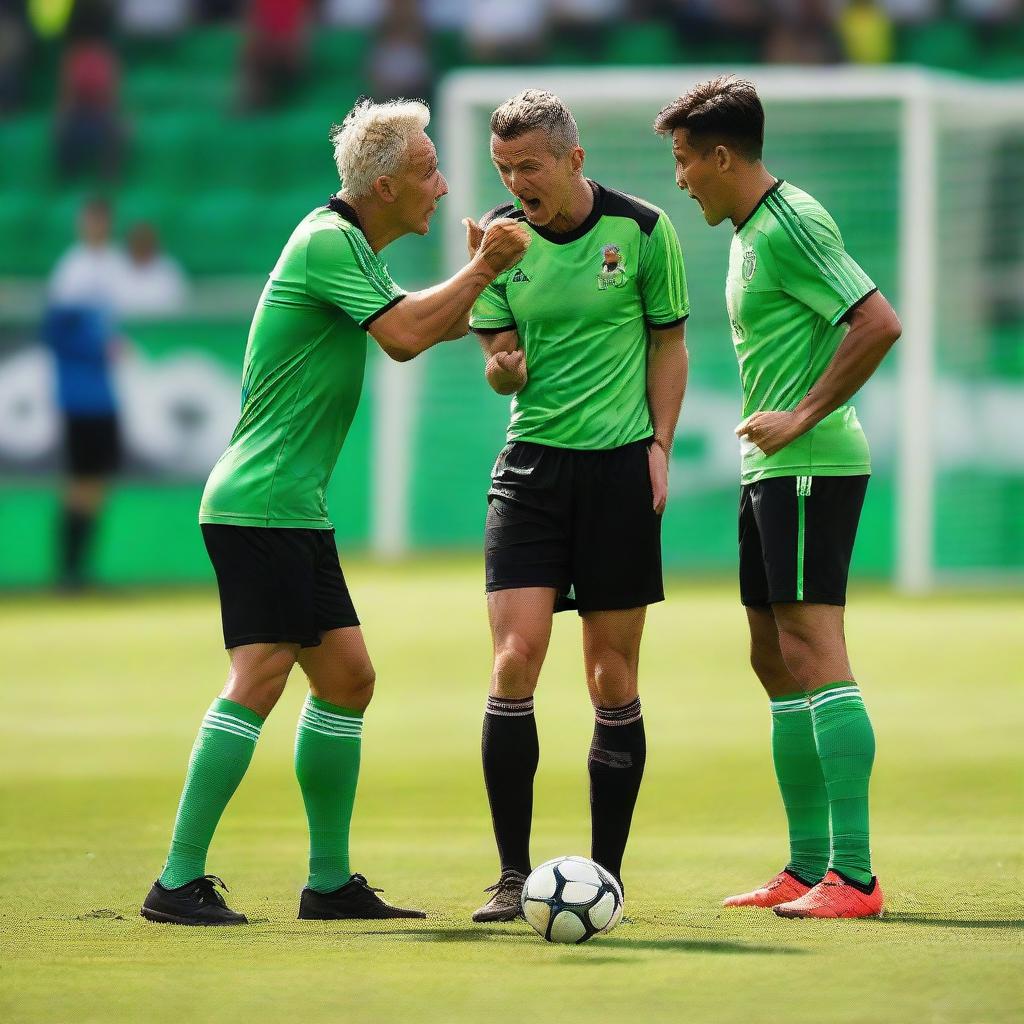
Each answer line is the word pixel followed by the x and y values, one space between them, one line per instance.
pixel 941 44
pixel 26 153
pixel 643 44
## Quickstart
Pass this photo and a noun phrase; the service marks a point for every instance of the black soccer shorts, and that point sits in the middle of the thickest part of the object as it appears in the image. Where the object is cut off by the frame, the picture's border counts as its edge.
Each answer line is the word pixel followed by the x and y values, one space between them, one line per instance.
pixel 92 445
pixel 278 585
pixel 582 522
pixel 796 537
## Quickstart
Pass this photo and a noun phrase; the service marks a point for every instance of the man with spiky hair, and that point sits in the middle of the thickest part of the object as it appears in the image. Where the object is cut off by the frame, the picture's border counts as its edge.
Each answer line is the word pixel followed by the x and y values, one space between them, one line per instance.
pixel 809 328
pixel 264 515
pixel 587 334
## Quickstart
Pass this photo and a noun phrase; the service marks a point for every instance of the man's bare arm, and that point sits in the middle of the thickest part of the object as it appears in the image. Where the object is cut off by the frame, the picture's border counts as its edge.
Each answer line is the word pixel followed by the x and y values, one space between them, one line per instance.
pixel 667 367
pixel 424 318
pixel 874 329
pixel 506 362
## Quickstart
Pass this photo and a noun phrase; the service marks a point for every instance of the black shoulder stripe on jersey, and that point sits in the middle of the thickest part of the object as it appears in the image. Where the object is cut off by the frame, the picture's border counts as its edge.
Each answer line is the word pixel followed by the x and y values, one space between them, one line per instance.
pixel 618 204
pixel 509 210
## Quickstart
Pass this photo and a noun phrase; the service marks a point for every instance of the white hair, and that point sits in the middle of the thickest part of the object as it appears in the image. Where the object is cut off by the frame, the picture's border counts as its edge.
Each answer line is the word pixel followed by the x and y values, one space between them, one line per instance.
pixel 373 139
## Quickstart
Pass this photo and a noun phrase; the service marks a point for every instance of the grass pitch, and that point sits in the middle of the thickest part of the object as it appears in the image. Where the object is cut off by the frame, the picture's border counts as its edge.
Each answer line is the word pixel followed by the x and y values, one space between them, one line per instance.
pixel 102 699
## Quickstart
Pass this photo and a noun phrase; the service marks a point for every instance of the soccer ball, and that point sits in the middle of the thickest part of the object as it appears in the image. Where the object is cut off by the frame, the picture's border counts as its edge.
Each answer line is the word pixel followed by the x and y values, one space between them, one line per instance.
pixel 571 899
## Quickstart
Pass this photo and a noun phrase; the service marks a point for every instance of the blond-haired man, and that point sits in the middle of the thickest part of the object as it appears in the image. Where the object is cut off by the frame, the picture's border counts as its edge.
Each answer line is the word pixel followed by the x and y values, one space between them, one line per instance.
pixel 264 516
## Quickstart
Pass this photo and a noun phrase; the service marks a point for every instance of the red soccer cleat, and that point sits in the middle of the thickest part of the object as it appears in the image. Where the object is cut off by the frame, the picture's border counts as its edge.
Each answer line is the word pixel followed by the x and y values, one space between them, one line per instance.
pixel 781 889
pixel 833 896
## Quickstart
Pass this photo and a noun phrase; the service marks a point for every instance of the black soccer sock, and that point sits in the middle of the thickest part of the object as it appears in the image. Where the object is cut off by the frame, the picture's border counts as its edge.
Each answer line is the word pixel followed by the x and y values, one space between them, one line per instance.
pixel 618 753
pixel 510 754
pixel 76 533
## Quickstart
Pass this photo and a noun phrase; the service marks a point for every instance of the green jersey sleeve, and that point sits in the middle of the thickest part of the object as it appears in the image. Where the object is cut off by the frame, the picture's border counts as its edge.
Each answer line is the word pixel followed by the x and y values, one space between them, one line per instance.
pixel 342 270
pixel 814 267
pixel 662 278
pixel 491 310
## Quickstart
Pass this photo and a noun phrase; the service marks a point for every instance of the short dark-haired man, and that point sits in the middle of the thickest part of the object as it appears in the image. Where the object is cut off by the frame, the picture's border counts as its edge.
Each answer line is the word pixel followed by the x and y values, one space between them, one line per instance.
pixel 809 329
pixel 588 334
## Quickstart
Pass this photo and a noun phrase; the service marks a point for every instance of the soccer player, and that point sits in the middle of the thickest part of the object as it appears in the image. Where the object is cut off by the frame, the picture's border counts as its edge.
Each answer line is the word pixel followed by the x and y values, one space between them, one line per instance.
pixel 263 513
pixel 809 329
pixel 587 334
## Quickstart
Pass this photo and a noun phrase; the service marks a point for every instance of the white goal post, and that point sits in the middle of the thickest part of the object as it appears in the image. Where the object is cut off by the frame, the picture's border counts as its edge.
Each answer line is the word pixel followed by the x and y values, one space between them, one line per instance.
pixel 920 97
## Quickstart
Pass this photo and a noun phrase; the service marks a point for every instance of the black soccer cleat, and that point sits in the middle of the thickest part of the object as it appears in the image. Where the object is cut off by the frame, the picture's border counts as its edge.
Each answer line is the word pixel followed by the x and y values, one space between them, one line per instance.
pixel 356 900
pixel 506 902
pixel 195 902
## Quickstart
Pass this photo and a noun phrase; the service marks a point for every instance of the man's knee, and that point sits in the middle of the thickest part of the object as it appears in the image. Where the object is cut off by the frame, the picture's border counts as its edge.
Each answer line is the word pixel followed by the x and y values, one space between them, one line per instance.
pixel 612 678
pixel 517 663
pixel 258 675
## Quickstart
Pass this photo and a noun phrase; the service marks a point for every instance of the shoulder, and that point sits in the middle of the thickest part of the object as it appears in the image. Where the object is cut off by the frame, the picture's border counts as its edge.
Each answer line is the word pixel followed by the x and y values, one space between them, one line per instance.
pixel 325 234
pixel 796 216
pixel 509 210
pixel 621 204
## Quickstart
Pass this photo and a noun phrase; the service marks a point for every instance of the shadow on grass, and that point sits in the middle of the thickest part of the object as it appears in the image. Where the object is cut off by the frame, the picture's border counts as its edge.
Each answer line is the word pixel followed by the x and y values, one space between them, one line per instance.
pixel 950 922
pixel 603 942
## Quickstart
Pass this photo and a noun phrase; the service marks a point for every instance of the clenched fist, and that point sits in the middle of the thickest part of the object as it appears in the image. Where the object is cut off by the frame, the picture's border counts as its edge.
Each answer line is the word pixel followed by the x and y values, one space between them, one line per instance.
pixel 506 371
pixel 502 244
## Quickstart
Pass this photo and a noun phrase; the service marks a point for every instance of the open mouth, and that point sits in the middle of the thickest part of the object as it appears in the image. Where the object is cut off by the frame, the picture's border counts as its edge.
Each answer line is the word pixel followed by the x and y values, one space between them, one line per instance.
pixel 533 205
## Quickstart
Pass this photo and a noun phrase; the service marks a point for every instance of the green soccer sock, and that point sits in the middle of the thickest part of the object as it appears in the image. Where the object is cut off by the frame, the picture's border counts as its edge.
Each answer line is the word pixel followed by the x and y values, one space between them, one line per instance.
pixel 220 756
pixel 327 747
pixel 846 749
pixel 798 770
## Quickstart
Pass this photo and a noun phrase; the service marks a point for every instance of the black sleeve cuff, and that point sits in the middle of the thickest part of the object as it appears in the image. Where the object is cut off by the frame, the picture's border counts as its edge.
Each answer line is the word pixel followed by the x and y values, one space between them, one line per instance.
pixel 383 309
pixel 671 323
pixel 492 330
pixel 866 295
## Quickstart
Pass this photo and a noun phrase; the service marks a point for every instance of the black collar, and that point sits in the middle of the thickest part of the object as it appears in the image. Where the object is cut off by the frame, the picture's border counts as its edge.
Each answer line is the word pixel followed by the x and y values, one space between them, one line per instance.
pixel 757 205
pixel 564 237
pixel 342 209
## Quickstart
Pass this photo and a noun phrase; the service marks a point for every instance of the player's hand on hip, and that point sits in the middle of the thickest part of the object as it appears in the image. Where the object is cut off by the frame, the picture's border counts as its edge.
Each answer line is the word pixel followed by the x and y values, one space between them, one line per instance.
pixel 474 236
pixel 771 431
pixel 503 243
pixel 506 371
pixel 657 464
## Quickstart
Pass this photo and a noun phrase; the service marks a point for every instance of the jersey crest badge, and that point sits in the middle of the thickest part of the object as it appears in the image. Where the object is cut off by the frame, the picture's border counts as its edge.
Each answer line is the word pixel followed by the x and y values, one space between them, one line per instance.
pixel 749 264
pixel 519 278
pixel 612 273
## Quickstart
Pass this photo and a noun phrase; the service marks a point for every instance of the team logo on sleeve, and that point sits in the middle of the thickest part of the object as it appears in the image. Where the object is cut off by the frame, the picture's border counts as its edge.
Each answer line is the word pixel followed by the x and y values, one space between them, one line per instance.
pixel 749 264
pixel 612 273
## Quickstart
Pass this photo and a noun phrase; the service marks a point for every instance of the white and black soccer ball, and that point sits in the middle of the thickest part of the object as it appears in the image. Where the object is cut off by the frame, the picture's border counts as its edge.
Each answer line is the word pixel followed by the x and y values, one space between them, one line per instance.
pixel 571 899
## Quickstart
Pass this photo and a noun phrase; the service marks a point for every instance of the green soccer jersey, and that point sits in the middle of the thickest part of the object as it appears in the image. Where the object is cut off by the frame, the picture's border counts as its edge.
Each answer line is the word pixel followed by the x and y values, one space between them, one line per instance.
pixel 582 303
pixel 790 284
pixel 302 377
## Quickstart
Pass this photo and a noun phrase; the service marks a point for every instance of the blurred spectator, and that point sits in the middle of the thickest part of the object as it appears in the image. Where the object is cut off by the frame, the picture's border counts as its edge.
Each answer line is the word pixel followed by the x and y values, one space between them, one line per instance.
pixel 506 30
pixel 866 33
pixel 801 33
pixel 911 12
pixel 988 12
pixel 587 22
pixel 353 13
pixel 14 47
pixel 399 63
pixel 89 130
pixel 276 50
pixel 79 328
pixel 718 21
pixel 151 282
pixel 153 18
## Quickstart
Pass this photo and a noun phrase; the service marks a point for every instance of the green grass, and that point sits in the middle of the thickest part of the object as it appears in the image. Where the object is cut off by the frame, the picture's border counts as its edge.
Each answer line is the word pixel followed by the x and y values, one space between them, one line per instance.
pixel 102 697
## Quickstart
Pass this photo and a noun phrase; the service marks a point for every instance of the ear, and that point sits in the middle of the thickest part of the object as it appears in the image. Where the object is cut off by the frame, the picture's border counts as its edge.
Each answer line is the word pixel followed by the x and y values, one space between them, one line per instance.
pixel 578 156
pixel 724 159
pixel 385 189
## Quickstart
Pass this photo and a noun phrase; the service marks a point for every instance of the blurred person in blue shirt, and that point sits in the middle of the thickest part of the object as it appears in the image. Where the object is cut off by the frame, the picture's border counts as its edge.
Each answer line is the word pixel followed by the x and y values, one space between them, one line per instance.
pixel 80 329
